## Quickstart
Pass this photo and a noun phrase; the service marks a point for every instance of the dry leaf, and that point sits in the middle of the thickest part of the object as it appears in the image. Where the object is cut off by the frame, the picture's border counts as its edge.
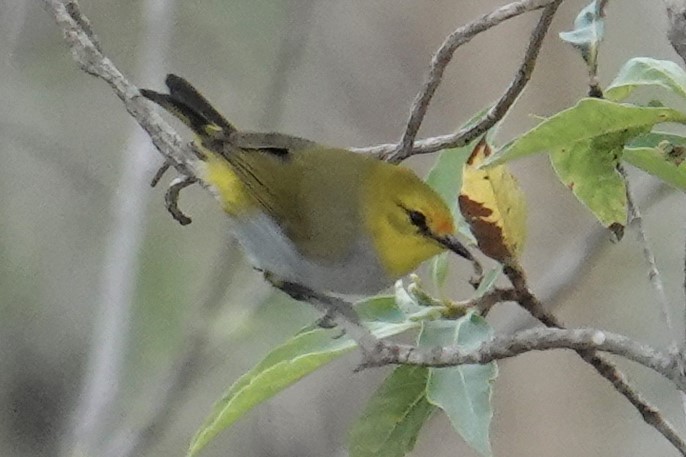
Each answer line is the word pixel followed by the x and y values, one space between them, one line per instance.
pixel 493 205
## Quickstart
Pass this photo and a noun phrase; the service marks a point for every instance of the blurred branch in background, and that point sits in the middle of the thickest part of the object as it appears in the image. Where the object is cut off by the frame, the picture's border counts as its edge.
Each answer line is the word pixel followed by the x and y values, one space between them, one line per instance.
pixel 191 361
pixel 566 270
pixel 44 149
pixel 290 54
pixel 188 365
pixel 105 367
pixel 12 21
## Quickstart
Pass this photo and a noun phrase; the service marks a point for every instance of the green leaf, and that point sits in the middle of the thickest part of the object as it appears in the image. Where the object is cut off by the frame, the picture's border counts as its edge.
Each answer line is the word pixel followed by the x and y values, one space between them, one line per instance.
pixel 589 29
pixel 405 301
pixel 382 308
pixel 282 367
pixel 393 417
pixel 661 155
pixel 653 140
pixel 589 119
pixel 439 269
pixel 296 358
pixel 488 282
pixel 588 169
pixel 644 71
pixel 652 161
pixel 445 177
pixel 463 392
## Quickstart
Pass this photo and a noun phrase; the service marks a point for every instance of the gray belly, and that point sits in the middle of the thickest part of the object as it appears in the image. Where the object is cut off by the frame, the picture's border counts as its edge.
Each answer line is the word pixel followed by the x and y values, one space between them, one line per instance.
pixel 357 273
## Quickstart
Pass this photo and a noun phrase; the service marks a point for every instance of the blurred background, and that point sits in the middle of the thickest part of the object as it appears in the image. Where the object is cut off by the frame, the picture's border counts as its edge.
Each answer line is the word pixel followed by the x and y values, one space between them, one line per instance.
pixel 92 264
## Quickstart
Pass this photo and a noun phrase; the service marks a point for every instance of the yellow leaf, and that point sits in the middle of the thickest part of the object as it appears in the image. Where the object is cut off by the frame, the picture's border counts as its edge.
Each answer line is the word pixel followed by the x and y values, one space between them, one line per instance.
pixel 493 205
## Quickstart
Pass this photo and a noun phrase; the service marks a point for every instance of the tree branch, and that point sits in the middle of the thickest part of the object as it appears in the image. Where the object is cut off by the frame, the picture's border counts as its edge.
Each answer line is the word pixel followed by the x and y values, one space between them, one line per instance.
pixel 407 147
pixel 676 33
pixel 87 54
pixel 605 368
pixel 537 339
pixel 654 276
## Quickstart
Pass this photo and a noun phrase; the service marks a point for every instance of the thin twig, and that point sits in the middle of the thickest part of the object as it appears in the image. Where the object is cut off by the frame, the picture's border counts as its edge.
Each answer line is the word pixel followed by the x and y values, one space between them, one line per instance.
pixel 564 273
pixel 651 415
pixel 75 12
pixel 93 62
pixel 336 311
pixel 454 310
pixel 407 147
pixel 654 276
pixel 594 89
pixel 676 33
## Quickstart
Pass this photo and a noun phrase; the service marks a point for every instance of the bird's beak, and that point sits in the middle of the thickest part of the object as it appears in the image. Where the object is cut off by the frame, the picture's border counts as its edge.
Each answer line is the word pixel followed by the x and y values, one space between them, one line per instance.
pixel 451 243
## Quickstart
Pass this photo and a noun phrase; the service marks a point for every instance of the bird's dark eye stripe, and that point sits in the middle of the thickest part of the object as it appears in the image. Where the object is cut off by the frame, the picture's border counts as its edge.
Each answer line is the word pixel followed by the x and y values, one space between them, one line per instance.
pixel 417 218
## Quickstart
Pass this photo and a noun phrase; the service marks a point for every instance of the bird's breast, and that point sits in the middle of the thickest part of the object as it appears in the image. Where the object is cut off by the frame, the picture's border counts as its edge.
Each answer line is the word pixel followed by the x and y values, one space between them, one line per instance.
pixel 357 271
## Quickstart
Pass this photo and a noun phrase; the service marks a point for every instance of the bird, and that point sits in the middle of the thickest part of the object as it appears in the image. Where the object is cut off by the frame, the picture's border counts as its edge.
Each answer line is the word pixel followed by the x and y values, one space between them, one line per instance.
pixel 328 219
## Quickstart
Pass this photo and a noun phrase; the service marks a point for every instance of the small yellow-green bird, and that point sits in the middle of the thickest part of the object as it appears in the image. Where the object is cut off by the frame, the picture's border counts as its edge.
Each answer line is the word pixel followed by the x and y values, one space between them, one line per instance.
pixel 325 218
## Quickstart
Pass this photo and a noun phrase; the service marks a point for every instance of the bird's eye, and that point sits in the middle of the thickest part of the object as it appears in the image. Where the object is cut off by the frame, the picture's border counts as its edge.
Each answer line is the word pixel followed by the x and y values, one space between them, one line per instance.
pixel 418 219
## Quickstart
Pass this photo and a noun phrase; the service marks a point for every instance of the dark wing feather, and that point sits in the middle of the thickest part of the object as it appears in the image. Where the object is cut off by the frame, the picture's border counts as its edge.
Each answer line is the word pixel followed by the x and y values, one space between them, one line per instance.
pixel 184 92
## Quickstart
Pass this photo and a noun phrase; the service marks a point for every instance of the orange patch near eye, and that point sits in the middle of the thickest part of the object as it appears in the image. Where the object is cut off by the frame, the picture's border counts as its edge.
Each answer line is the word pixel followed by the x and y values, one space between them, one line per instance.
pixel 444 226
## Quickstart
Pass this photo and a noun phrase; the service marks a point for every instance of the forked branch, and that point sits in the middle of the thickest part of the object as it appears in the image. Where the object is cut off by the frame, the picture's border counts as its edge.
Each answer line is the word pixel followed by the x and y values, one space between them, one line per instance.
pixel 407 146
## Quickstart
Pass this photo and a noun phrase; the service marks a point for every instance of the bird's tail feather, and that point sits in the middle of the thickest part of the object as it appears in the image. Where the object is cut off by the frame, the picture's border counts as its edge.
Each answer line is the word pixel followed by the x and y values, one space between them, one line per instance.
pixel 188 105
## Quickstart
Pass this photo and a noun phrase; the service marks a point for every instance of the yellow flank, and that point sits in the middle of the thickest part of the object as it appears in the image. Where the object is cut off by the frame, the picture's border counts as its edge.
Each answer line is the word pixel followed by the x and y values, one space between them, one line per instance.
pixel 232 194
pixel 329 183
pixel 392 191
